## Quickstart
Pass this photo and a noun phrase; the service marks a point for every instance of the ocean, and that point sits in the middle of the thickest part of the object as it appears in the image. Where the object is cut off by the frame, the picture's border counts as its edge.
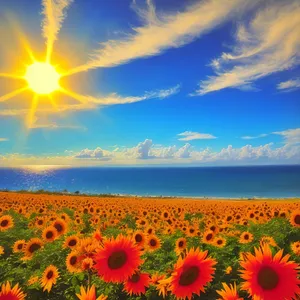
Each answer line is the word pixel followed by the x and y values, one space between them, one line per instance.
pixel 224 182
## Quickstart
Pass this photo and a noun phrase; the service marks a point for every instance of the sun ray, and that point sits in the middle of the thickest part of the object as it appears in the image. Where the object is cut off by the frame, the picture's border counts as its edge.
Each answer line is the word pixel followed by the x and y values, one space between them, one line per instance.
pixel 54 104
pixel 31 115
pixel 80 98
pixel 12 76
pixel 12 94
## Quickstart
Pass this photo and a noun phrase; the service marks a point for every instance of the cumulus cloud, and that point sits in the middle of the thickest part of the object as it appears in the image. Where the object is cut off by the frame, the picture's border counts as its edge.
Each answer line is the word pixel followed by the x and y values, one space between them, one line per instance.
pixel 164 31
pixel 269 43
pixel 289 85
pixel 97 153
pixel 248 137
pixel 190 135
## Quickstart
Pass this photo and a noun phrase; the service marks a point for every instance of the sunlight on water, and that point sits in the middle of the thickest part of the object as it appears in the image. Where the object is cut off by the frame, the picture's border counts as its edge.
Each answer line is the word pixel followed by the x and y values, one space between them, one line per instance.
pixel 42 169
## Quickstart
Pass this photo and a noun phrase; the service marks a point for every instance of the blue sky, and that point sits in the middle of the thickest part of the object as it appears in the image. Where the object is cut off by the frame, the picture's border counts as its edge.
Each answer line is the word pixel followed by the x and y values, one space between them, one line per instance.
pixel 189 83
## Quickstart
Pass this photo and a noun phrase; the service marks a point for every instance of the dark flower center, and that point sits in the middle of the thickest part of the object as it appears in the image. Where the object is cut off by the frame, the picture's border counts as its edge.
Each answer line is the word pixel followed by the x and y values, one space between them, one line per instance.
pixel 209 237
pixel 50 275
pixel 34 247
pixel 180 244
pixel 189 276
pixel 40 222
pixel 73 260
pixel 219 242
pixel 72 243
pixel 117 260
pixel 153 243
pixel 20 246
pixel 246 237
pixel 297 219
pixel 138 238
pixel 267 278
pixel 4 223
pixel 58 227
pixel 135 278
pixel 49 234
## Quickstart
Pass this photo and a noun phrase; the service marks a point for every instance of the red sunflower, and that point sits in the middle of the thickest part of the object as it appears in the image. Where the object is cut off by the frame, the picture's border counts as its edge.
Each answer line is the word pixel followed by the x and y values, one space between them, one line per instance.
pixel 118 259
pixel 137 283
pixel 267 277
pixel 191 274
pixel 229 292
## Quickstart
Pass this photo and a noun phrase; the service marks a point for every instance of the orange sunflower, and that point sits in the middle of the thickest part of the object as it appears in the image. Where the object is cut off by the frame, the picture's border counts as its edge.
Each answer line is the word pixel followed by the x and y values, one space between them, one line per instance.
pixel 6 222
pixel 229 292
pixel 118 259
pixel 73 262
pixel 49 278
pixel 49 234
pixel 295 218
pixel 296 248
pixel 268 277
pixel 61 226
pixel 219 242
pixel 71 241
pixel 137 283
pixel 246 237
pixel 89 294
pixel 8 293
pixel 191 274
pixel 19 246
pixel 180 245
pixel 153 242
pixel 139 238
pixel 32 246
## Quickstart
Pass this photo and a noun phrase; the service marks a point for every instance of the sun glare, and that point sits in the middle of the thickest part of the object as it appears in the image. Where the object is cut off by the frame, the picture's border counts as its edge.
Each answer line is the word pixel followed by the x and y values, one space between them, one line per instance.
pixel 42 78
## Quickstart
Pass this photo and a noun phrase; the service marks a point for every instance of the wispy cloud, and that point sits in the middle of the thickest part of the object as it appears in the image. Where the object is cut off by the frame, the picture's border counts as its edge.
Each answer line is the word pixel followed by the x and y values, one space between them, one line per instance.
pixel 56 126
pixel 3 140
pixel 90 102
pixel 247 137
pixel 190 135
pixel 54 12
pixel 291 136
pixel 289 85
pixel 269 43
pixel 164 31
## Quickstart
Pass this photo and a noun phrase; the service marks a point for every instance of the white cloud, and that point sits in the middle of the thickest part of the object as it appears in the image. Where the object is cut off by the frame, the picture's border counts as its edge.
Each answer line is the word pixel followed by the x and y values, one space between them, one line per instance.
pixel 291 136
pixel 289 85
pixel 3 139
pixel 269 43
pixel 247 137
pixel 190 135
pixel 164 31
pixel 97 153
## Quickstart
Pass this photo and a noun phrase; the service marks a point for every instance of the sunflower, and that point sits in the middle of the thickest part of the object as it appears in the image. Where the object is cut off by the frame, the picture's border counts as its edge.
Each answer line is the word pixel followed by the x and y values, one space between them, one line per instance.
pixel 49 234
pixel 229 292
pixel 137 283
pixel 32 246
pixel 219 242
pixel 153 242
pixel 73 262
pixel 61 226
pixel 118 259
pixel 32 280
pixel 268 277
pixel 71 241
pixel 87 263
pixel 228 270
pixel 1 250
pixel 6 222
pixel 267 240
pixel 246 237
pixel 89 294
pixel 295 218
pixel 180 245
pixel 191 274
pixel 139 238
pixel 19 246
pixel 296 248
pixel 40 222
pixel 208 237
pixel 49 278
pixel 8 293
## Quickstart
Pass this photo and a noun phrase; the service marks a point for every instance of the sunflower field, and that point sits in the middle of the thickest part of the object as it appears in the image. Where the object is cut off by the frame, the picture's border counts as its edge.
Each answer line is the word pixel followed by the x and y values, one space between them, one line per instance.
pixel 88 248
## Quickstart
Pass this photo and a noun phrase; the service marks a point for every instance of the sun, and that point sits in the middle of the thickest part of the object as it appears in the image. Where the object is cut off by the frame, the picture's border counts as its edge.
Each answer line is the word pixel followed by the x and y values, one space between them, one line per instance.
pixel 42 78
